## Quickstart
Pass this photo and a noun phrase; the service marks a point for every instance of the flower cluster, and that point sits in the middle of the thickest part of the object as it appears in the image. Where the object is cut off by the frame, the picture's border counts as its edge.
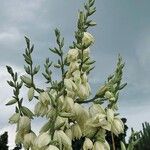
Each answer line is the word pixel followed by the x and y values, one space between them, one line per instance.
pixel 68 120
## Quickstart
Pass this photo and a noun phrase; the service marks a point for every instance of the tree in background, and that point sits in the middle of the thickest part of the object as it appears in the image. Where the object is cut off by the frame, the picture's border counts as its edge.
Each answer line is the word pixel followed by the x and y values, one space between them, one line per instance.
pixel 18 147
pixel 4 141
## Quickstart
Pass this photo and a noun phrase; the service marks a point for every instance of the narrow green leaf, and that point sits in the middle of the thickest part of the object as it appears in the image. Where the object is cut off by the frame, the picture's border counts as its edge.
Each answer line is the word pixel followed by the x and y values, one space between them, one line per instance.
pixel 11 102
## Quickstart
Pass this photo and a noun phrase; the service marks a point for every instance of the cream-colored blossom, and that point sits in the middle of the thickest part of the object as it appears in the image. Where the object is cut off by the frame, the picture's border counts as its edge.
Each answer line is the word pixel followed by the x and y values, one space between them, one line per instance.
pixel 81 114
pixel 86 53
pixel 25 123
pixel 70 85
pixel 72 55
pixel 40 109
pixel 87 39
pixel 101 146
pixel 68 104
pixel 19 137
pixel 88 144
pixel 52 147
pixel 96 109
pixel 29 140
pixel 44 98
pixel 73 66
pixel 14 118
pixel 66 141
pixel 76 131
pixel 117 126
pixel 83 92
pixel 68 132
pixel 42 140
pixel 110 115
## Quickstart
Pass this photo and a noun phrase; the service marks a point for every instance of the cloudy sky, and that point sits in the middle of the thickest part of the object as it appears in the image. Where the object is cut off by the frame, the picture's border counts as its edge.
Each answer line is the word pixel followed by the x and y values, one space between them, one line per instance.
pixel 123 26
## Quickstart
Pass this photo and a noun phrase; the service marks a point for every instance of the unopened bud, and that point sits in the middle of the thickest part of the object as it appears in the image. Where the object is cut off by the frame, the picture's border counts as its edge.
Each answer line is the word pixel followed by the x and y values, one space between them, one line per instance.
pixel 31 93
pixel 26 80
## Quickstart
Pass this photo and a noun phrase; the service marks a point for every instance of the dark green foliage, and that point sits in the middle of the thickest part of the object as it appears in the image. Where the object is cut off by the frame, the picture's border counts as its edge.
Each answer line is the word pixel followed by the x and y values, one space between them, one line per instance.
pixel 77 144
pixel 144 138
pixel 4 141
pixel 119 138
pixel 18 147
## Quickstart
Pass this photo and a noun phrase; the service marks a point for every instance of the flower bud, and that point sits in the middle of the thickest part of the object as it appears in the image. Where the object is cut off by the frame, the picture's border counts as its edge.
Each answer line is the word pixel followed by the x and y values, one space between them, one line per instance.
pixel 52 147
pixel 76 131
pixel 110 115
pixel 29 140
pixel 88 144
pixel 31 93
pixel 42 140
pixel 72 55
pixel 87 39
pixel 24 124
pixel 14 118
pixel 26 80
pixel 117 126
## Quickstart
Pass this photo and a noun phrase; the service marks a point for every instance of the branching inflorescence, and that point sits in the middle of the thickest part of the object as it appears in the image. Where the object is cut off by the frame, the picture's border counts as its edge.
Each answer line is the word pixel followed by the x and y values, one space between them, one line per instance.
pixel 70 125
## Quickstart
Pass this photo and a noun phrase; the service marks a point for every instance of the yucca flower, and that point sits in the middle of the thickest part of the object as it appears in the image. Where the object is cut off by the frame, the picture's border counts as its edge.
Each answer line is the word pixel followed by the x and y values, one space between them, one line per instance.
pixel 29 140
pixel 101 146
pixel 117 126
pixel 72 55
pixel 44 98
pixel 110 115
pixel 52 147
pixel 14 118
pixel 42 140
pixel 88 144
pixel 76 131
pixel 24 124
pixel 68 104
pixel 87 39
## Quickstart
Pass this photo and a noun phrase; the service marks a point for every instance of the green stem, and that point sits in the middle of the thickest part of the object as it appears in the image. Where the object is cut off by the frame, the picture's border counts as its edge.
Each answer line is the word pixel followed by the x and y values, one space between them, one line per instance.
pixel 113 141
pixel 62 67
pixel 88 101
pixel 81 60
